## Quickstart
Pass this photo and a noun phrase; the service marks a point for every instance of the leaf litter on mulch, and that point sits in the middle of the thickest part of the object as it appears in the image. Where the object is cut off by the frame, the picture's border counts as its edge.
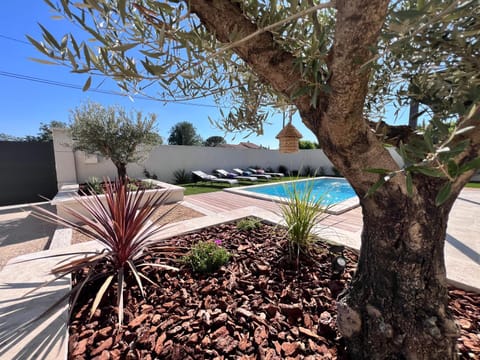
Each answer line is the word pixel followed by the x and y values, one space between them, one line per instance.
pixel 258 306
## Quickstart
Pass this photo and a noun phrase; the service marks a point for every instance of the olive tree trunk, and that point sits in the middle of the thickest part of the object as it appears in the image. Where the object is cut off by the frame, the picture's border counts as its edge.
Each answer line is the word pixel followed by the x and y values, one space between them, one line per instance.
pixel 397 304
pixel 121 171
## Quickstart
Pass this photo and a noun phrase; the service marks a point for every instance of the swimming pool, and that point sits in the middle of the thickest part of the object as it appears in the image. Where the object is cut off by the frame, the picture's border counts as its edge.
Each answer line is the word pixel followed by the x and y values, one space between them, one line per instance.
pixel 335 192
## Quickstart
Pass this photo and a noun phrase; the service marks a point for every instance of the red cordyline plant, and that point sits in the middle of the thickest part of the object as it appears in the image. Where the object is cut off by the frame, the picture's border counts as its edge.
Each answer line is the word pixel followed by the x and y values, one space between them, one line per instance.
pixel 122 224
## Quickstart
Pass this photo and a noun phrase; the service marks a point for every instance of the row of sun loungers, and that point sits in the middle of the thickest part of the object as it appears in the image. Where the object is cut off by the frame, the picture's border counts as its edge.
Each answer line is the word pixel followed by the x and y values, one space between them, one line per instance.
pixel 262 172
pixel 231 178
pixel 212 178
pixel 228 175
pixel 240 172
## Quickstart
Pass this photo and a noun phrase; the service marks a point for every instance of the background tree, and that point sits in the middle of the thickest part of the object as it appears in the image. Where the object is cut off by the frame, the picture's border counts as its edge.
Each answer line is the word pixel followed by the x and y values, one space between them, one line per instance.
pixel 337 63
pixel 6 137
pixel 44 134
pixel 184 133
pixel 307 145
pixel 113 133
pixel 214 141
pixel 45 130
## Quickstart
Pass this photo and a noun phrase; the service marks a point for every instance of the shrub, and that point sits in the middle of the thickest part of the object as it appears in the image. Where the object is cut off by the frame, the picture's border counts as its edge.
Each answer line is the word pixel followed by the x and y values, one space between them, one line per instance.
pixel 148 185
pixel 207 256
pixel 301 213
pixel 131 186
pixel 248 224
pixel 123 226
pixel 94 185
pixel 149 175
pixel 336 172
pixel 182 176
pixel 283 169
pixel 308 171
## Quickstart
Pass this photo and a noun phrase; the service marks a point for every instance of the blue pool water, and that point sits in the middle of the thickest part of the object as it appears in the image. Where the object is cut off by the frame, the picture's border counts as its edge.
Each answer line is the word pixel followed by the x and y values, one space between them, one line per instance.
pixel 333 190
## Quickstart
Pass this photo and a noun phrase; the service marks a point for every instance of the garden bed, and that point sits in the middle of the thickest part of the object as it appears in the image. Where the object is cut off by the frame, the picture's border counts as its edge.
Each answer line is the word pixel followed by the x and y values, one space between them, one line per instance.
pixel 94 186
pixel 257 306
pixel 67 197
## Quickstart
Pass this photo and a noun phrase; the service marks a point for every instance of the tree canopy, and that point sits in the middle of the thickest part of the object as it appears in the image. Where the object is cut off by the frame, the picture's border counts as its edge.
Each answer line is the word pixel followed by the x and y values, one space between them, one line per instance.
pixel 7 137
pixel 214 141
pixel 45 130
pixel 44 134
pixel 184 133
pixel 120 136
pixel 307 145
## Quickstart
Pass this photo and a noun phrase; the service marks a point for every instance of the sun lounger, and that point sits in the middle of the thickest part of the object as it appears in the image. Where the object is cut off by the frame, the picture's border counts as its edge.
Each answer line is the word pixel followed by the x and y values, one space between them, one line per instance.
pixel 211 178
pixel 256 172
pixel 227 175
pixel 249 173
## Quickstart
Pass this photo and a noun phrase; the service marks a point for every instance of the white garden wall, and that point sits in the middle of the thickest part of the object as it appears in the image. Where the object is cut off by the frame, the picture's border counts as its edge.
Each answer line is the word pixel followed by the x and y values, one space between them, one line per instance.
pixel 163 160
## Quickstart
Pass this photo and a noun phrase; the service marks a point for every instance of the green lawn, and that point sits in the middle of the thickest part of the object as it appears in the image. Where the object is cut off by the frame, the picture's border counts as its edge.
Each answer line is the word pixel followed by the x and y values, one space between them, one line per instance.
pixel 206 187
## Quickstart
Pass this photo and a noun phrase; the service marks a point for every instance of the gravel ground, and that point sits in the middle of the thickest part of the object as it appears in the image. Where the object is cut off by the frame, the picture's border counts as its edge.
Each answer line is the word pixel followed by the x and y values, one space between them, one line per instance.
pixel 21 233
pixel 12 251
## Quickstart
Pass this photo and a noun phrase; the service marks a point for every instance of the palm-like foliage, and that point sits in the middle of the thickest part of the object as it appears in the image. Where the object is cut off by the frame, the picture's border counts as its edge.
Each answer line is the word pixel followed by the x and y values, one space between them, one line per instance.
pixel 122 224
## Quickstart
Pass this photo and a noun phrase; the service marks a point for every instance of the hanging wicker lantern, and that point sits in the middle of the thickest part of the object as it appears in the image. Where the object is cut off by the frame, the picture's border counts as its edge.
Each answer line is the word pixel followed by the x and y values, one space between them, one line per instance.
pixel 288 139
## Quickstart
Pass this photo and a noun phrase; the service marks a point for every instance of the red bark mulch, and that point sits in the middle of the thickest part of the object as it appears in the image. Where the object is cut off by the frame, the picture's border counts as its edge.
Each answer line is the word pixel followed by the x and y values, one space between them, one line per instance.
pixel 258 306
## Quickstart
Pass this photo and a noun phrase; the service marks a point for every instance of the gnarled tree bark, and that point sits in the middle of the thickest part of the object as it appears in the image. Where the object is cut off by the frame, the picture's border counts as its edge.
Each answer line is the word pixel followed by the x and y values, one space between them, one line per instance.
pixel 396 306
pixel 121 171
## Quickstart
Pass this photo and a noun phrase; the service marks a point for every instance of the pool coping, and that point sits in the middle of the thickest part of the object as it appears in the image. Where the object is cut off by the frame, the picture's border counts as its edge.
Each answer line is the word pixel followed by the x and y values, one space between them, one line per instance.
pixel 336 209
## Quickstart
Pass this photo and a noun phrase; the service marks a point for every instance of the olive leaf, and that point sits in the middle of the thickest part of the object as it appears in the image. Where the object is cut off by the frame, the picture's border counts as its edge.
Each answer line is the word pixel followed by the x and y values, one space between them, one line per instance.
pixel 376 186
pixel 443 194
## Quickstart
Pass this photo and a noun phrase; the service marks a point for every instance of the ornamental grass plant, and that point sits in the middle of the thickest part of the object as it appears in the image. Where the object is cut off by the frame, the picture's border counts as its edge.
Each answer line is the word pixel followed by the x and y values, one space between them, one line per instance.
pixel 123 225
pixel 301 213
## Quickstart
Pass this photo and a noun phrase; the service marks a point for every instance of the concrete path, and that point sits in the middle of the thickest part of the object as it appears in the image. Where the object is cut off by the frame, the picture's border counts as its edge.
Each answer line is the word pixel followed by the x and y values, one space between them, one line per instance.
pixel 462 246
pixel 463 230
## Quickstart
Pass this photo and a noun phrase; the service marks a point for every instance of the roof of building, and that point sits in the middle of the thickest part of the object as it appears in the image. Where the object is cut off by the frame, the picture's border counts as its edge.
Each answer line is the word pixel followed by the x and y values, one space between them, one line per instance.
pixel 241 145
pixel 289 131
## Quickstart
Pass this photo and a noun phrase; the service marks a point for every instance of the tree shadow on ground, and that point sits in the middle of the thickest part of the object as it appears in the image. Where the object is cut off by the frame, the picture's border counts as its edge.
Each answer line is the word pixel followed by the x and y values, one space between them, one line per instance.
pixel 29 329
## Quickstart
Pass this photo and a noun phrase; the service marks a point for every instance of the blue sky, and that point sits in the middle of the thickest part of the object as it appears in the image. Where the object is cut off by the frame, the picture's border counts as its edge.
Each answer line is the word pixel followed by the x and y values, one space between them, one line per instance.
pixel 24 104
